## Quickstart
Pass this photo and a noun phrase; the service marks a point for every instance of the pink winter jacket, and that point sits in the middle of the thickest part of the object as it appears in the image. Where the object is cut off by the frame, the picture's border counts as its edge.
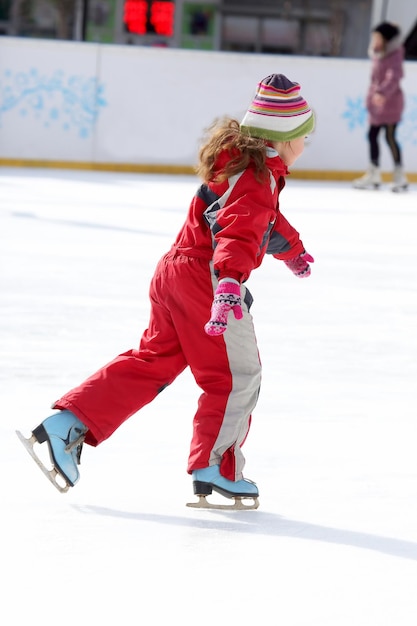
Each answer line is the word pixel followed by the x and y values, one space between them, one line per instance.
pixel 386 74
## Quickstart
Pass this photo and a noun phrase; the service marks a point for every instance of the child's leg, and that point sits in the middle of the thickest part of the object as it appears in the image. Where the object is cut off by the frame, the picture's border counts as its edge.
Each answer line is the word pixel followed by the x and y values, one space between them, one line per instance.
pixel 129 382
pixel 390 136
pixel 231 383
pixel 373 144
pixel 400 182
pixel 227 368
pixel 92 411
pixel 372 177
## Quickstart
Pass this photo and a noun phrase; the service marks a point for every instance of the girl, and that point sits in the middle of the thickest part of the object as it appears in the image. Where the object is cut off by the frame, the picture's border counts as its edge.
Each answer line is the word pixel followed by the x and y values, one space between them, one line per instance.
pixel 385 104
pixel 232 222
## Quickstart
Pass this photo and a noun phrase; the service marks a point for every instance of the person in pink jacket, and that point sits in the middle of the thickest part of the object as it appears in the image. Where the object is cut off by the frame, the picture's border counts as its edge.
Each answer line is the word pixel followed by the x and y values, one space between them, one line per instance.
pixel 200 305
pixel 385 104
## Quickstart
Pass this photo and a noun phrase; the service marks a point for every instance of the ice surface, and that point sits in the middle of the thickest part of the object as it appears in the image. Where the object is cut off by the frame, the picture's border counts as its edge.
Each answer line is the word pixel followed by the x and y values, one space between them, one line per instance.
pixel 333 441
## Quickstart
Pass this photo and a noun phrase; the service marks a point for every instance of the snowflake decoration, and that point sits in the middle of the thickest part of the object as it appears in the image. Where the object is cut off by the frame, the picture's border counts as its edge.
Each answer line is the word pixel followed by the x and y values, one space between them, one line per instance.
pixel 72 101
pixel 357 116
pixel 355 113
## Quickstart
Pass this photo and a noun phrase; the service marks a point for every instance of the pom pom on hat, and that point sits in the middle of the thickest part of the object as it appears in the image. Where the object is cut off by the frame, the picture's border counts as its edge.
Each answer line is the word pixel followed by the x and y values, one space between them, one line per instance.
pixel 278 112
pixel 387 30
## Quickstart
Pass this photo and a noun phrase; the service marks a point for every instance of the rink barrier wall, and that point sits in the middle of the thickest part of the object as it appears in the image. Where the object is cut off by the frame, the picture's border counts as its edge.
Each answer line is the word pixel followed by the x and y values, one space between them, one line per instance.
pixel 78 105
pixel 184 170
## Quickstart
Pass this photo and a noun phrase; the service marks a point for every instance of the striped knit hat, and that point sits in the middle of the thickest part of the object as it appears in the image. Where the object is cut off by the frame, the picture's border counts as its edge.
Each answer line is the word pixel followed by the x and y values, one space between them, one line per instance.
pixel 278 112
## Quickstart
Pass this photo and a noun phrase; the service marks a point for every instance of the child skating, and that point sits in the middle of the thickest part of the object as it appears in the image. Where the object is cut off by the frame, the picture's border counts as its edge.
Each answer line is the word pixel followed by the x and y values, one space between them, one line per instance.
pixel 385 105
pixel 200 305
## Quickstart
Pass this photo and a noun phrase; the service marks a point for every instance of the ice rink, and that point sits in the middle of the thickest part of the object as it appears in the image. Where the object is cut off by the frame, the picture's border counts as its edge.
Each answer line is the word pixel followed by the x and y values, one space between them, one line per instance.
pixel 333 445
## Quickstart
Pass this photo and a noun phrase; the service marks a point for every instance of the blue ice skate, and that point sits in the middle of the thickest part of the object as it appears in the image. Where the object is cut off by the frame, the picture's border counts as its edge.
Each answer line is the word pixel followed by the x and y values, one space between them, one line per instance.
pixel 209 478
pixel 64 434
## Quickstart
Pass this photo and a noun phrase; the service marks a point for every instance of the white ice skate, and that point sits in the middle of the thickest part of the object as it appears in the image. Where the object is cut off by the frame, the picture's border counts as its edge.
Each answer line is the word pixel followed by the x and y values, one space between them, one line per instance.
pixel 208 479
pixel 370 180
pixel 400 182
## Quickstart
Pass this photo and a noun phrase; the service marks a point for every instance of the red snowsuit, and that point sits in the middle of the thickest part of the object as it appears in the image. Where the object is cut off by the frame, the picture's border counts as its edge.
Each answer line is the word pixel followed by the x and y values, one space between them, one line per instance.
pixel 228 229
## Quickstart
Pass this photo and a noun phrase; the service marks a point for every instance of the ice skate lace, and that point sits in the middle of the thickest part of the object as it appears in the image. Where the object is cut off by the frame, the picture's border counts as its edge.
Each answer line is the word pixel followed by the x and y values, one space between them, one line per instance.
pixel 76 445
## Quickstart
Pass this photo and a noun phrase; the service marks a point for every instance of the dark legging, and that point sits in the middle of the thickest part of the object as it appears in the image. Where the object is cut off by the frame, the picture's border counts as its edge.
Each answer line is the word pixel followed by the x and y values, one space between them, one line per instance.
pixel 390 130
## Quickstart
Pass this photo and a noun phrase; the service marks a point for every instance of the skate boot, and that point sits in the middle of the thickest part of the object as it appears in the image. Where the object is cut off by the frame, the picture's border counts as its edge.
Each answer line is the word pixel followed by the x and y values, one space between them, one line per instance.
pixel 64 434
pixel 209 478
pixel 400 182
pixel 370 180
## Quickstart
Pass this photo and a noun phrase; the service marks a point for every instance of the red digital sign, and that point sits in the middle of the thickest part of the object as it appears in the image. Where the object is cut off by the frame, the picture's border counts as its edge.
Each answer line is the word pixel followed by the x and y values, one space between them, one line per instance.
pixel 142 17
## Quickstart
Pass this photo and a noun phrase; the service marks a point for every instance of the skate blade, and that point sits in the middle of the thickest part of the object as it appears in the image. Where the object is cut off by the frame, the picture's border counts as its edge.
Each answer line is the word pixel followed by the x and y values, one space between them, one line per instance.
pixel 238 504
pixel 51 474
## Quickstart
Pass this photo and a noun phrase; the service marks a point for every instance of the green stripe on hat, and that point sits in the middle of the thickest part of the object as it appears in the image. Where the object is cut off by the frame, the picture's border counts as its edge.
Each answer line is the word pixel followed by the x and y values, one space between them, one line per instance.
pixel 275 135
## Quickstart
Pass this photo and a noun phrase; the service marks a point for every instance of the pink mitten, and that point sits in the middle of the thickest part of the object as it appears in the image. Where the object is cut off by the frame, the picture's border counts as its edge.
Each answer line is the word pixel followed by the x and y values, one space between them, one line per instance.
pixel 299 265
pixel 226 299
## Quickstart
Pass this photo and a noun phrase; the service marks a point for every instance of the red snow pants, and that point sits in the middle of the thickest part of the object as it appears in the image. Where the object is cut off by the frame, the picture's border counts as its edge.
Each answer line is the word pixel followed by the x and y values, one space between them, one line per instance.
pixel 227 368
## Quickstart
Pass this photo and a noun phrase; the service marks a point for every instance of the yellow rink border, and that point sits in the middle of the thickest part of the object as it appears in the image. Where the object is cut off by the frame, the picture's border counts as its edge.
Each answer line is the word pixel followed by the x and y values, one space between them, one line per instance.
pixel 188 170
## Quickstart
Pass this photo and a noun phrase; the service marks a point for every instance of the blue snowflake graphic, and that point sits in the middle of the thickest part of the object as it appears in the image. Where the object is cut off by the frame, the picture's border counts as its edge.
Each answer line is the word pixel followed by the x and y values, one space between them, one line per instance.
pixel 355 113
pixel 72 101
pixel 356 116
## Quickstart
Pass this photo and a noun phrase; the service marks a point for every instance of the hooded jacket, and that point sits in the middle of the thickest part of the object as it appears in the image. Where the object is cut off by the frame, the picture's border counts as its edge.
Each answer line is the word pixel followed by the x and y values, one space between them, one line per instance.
pixel 386 74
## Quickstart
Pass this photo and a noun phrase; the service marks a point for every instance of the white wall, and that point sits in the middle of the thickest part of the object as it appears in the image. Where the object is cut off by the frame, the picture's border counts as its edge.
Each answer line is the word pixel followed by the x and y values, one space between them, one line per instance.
pixel 135 106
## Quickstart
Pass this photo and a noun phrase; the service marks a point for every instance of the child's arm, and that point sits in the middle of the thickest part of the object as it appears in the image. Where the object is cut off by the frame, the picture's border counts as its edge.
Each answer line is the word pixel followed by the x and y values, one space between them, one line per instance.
pixel 285 244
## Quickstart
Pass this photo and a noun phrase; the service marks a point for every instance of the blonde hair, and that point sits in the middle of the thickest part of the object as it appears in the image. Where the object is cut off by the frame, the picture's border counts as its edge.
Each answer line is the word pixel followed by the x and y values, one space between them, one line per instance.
pixel 225 134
